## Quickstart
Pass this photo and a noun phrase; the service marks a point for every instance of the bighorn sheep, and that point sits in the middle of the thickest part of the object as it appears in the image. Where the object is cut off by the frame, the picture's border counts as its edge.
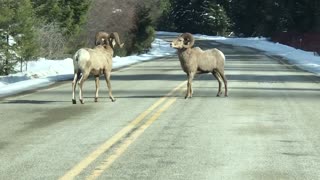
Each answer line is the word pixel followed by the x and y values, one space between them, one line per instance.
pixel 104 38
pixel 196 61
pixel 94 61
pixel 101 38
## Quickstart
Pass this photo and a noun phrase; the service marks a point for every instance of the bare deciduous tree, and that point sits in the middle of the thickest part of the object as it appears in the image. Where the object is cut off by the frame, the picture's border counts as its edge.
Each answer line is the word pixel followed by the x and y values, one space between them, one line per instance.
pixel 110 16
pixel 51 41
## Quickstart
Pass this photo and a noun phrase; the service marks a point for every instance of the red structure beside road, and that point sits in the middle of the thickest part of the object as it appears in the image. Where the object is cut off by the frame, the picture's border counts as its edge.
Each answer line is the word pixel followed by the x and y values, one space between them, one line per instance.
pixel 305 41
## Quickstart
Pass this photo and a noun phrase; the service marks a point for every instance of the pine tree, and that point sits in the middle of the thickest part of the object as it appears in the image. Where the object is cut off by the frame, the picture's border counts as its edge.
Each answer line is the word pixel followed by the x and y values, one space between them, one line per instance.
pixel 305 15
pixel 244 15
pixel 49 11
pixel 164 21
pixel 69 15
pixel 214 18
pixel 18 33
pixel 182 15
pixel 73 15
pixel 25 37
pixel 6 48
pixel 268 17
pixel 199 16
pixel 144 32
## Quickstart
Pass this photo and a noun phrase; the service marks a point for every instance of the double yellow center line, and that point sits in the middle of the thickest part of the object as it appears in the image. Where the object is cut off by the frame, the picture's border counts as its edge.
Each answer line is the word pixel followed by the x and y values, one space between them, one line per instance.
pixel 76 170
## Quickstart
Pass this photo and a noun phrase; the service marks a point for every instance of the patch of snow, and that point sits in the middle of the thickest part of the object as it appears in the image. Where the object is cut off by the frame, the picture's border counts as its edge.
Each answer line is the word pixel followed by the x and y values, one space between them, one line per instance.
pixel 45 72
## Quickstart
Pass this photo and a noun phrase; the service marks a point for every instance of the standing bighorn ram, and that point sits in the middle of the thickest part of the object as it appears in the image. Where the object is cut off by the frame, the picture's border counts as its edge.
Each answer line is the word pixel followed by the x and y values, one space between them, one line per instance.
pixel 196 61
pixel 94 61
pixel 106 38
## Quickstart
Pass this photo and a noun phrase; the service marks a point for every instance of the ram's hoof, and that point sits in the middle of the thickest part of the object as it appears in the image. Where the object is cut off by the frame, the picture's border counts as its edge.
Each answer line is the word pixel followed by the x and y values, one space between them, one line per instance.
pixel 74 101
pixel 95 99
pixel 81 101
pixel 113 99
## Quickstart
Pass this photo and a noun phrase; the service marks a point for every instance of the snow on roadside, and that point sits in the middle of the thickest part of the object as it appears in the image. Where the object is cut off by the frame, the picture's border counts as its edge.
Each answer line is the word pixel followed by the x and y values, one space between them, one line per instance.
pixel 45 72
pixel 302 59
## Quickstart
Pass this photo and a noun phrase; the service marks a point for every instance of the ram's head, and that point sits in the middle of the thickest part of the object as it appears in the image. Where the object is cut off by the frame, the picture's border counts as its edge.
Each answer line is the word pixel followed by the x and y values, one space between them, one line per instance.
pixel 185 40
pixel 112 39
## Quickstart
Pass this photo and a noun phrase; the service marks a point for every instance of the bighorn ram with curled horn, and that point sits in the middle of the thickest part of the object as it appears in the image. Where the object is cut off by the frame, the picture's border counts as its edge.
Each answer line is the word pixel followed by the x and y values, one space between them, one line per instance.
pixel 196 61
pixel 101 38
pixel 94 61
pixel 106 38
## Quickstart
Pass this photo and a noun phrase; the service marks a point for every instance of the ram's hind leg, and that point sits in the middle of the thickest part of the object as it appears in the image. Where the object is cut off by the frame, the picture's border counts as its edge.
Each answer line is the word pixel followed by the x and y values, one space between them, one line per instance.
pixel 218 77
pixel 225 81
pixel 97 88
pixel 107 76
pixel 81 81
pixel 74 85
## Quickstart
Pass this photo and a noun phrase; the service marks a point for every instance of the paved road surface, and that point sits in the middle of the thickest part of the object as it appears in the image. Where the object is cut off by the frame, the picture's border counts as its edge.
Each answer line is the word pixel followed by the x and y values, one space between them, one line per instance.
pixel 268 127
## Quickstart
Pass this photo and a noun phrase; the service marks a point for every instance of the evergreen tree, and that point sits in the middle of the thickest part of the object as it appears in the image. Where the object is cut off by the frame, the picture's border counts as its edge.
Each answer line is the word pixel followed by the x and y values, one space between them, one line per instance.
pixel 182 15
pixel 214 18
pixel 226 4
pixel 165 21
pixel 6 48
pixel 304 15
pixel 17 32
pixel 48 11
pixel 25 29
pixel 69 15
pixel 245 15
pixel 144 32
pixel 268 17
pixel 199 16
pixel 73 15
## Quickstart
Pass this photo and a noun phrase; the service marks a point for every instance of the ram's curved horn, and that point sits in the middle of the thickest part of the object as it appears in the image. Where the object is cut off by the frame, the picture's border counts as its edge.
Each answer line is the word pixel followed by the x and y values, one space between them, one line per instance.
pixel 115 36
pixel 188 40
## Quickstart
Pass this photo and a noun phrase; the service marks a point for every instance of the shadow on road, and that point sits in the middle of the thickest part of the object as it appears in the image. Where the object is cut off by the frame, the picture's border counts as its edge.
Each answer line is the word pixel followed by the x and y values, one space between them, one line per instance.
pixel 31 102
pixel 146 77
pixel 274 78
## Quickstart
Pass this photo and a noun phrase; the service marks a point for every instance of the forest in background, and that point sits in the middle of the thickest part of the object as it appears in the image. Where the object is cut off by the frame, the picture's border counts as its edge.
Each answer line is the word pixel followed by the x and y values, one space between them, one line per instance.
pixel 55 29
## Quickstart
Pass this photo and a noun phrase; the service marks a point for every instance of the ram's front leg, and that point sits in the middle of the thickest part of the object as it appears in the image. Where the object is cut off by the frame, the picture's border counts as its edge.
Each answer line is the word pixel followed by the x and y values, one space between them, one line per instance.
pixel 189 85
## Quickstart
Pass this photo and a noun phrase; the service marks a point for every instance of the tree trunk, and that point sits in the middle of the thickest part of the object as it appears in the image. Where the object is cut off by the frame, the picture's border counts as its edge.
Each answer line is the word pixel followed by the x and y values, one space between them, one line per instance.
pixel 6 64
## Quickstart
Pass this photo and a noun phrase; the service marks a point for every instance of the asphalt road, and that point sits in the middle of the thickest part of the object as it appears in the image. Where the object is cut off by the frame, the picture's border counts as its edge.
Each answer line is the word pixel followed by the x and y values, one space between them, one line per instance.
pixel 268 127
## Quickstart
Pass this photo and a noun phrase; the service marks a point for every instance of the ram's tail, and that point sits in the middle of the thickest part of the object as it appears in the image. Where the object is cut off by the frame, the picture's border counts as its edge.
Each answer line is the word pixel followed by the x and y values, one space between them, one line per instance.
pixel 77 69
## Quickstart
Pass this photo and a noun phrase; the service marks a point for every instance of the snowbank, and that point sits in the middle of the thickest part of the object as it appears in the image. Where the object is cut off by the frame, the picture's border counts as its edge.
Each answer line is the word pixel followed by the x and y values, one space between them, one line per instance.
pixel 45 72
